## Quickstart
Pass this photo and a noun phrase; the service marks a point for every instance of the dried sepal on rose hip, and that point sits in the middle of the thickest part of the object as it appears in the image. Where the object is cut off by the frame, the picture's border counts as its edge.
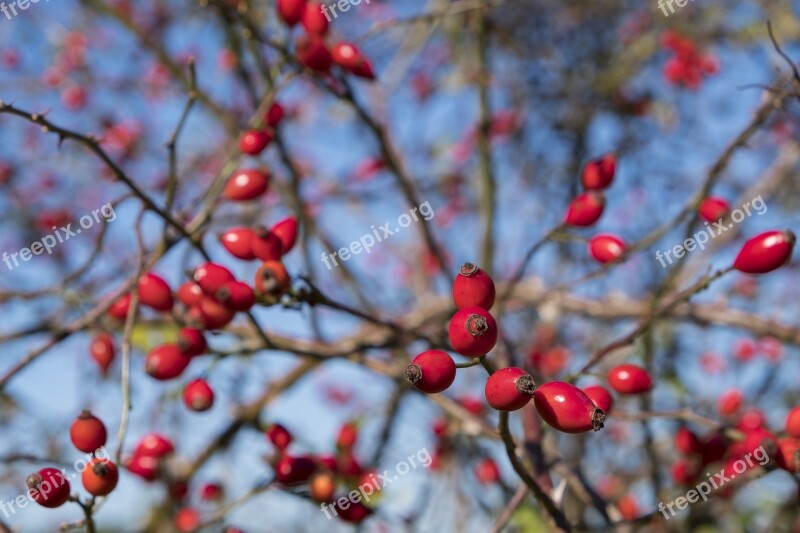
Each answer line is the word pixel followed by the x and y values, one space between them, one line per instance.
pixel 432 371
pixel 271 282
pixel 100 477
pixel 473 332
pixel 509 389
pixel 567 408
pixel 473 287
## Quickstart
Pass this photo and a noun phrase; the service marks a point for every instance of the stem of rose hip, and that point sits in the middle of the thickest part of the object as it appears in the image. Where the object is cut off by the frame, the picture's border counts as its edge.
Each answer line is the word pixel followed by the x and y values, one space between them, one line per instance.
pixel 473 362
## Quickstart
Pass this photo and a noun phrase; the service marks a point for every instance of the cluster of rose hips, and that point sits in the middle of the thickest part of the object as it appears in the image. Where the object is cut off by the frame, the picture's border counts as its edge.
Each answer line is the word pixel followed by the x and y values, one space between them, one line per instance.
pixel 696 452
pixel 50 488
pixel 213 296
pixel 760 254
pixel 323 474
pixel 688 65
pixel 473 333
pixel 311 49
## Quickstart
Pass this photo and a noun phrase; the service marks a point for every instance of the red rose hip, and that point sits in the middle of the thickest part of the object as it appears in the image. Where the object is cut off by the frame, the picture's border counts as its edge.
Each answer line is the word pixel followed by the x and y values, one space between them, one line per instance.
pixel 473 332
pixel 198 395
pixel 713 208
pixel 48 487
pixel 629 379
pixel 432 371
pixel 765 252
pixel 87 432
pixel 600 396
pixel 155 293
pixel 246 185
pixel 509 389
pixel 286 230
pixel 793 422
pixel 599 173
pixel 567 408
pixel 100 477
pixel 585 209
pixel 606 248
pixel 253 142
pixel 473 288
pixel 166 362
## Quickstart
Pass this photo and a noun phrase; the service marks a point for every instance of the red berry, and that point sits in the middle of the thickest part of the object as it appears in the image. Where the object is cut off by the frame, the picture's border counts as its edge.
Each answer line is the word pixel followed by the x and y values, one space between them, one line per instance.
pixel 687 442
pixel 198 395
pixel 187 520
pixel 509 389
pixel 119 309
pixel 144 466
pixel 629 379
pixel 48 487
pixel 166 362
pixel 214 314
pixel 239 243
pixel 154 445
pixel 291 11
pixel 793 422
pixel 322 487
pixel 100 477
pixel 294 470
pixel 272 281
pixel 788 454
pixel 585 209
pixel 154 292
pixel 192 342
pixel 765 252
pixel 432 371
pixel 236 295
pixel 190 294
pixel 286 230
pixel 606 247
pixel 211 492
pixel 246 185
pixel 713 449
pixel 473 332
pixel 347 437
pixel 102 351
pixel 567 408
pixel 713 208
pixel 274 115
pixel 349 57
pixel 211 277
pixel 266 245
pixel 473 288
pixel 750 420
pixel 314 20
pixel 730 402
pixel 87 432
pixel 279 436
pixel 312 52
pixel 599 173
pixel 683 472
pixel 487 472
pixel 253 142
pixel 355 513
pixel 600 396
